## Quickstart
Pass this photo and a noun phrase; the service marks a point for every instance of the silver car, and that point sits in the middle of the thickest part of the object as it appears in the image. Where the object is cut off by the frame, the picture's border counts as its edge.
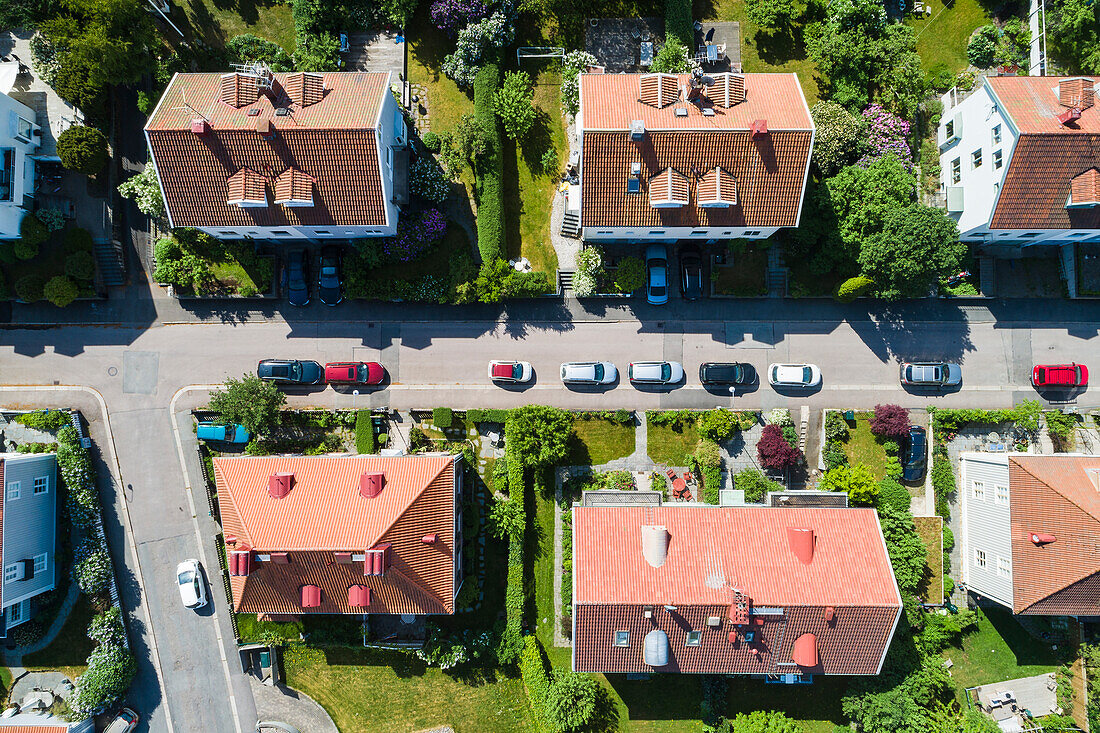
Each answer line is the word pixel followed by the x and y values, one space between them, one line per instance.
pixel 930 374
pixel 656 372
pixel 588 372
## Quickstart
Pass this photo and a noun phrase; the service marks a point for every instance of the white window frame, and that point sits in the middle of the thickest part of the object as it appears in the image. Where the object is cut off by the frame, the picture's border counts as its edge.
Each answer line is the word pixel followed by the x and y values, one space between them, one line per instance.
pixel 1004 567
pixel 41 562
pixel 977 490
pixel 956 170
pixel 1000 495
pixel 998 159
pixel 979 558
pixel 976 159
pixel 13 491
pixel 693 638
pixel 996 134
pixel 622 638
pixel 949 129
pixel 12 572
pixel 41 485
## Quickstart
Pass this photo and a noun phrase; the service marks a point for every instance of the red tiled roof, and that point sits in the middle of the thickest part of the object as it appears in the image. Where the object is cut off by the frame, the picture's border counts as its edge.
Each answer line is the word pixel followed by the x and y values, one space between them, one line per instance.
pixel 62 727
pixel 1055 495
pixel 333 140
pixel 1040 176
pixel 324 514
pixel 1085 188
pixel 246 185
pixel 293 185
pixel 1033 104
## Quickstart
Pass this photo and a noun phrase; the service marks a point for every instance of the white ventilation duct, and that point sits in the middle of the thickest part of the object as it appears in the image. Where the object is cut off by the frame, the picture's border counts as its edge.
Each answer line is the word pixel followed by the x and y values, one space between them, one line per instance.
pixel 655 544
pixel 656 648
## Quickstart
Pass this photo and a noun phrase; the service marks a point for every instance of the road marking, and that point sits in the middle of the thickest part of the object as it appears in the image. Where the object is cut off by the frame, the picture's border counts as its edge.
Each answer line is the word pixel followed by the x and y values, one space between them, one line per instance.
pixel 202 545
pixel 128 528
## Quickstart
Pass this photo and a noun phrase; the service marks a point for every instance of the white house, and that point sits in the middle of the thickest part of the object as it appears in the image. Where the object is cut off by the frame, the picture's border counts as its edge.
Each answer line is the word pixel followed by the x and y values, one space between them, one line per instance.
pixel 19 139
pixel 1020 160
pixel 301 156
pixel 681 156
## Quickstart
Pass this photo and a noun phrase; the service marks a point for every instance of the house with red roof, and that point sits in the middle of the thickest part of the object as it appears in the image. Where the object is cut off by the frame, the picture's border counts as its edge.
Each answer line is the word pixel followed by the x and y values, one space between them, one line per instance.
pixel 299 156
pixel 1020 161
pixel 689 156
pixel 1029 529
pixel 780 592
pixel 342 534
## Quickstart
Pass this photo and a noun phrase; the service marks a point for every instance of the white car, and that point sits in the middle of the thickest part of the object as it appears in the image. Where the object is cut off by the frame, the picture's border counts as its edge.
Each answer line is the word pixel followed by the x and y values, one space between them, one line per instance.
pixel 189 580
pixel 794 375
pixel 656 372
pixel 588 372
pixel 510 371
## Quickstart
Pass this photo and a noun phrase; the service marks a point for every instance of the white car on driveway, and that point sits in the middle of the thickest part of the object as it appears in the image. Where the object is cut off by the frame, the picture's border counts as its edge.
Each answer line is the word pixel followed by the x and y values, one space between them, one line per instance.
pixel 656 372
pixel 794 375
pixel 189 580
pixel 588 372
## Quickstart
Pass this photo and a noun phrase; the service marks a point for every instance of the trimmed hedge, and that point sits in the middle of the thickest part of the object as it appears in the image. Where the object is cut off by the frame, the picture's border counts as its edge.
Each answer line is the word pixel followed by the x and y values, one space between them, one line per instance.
pixel 536 678
pixel 489 169
pixel 511 641
pixel 943 481
pixel 442 417
pixel 678 22
pixel 853 287
pixel 364 432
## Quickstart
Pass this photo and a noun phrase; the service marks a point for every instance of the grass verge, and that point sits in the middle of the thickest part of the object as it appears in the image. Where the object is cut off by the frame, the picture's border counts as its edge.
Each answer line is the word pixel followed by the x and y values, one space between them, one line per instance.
pixel 598 441
pixel 930 530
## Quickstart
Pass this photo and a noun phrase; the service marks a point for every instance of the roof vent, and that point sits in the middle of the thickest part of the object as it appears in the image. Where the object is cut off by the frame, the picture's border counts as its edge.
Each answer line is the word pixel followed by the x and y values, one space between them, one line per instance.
pixel 231 539
pixel 311 596
pixel 647 611
pixel 1076 92
pixel 804 651
pixel 200 126
pixel 358 596
pixel 1039 539
pixel 279 485
pixel 708 111
pixel 265 127
pixel 371 484
pixel 428 539
pixel 1070 115
pixel 714 621
pixel 637 130
pixel 655 544
pixel 280 558
pixel 681 111
pixel 830 614
pixel 801 542
pixel 281 111
pixel 240 562
pixel 759 127
pixel 342 558
pixel 655 651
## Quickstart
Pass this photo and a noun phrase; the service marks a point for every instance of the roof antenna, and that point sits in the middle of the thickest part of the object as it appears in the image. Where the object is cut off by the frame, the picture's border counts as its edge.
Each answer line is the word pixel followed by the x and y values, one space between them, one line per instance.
pixel 186 106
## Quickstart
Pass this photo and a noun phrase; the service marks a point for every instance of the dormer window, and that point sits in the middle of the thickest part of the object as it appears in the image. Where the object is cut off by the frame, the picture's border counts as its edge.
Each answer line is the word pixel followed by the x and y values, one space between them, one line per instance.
pixel 1085 189
pixel 668 189
pixel 717 189
pixel 294 188
pixel 246 188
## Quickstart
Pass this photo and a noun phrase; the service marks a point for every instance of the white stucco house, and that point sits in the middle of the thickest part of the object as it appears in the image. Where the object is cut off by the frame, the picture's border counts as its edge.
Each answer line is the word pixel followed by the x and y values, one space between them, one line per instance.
pixel 20 137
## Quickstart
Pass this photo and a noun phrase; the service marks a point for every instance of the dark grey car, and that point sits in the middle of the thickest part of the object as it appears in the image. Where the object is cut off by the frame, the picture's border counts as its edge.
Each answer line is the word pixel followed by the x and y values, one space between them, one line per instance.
pixel 290 371
pixel 329 289
pixel 297 277
pixel 731 373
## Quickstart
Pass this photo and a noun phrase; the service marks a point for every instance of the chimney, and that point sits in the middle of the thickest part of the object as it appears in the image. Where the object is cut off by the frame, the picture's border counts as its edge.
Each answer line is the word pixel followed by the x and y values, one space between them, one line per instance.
pixel 637 130
pixel 279 485
pixel 655 544
pixel 1076 92
pixel 265 127
pixel 759 128
pixel 200 126
pixel 231 539
pixel 371 484
pixel 428 539
pixel 311 596
pixel 377 560
pixel 830 614
pixel 801 542
pixel 1039 539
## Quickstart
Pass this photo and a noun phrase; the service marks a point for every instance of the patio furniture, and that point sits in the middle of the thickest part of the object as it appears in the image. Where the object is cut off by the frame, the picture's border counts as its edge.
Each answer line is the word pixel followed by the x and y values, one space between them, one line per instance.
pixel 671 474
pixel 679 486
pixel 712 53
pixel 701 57
pixel 645 53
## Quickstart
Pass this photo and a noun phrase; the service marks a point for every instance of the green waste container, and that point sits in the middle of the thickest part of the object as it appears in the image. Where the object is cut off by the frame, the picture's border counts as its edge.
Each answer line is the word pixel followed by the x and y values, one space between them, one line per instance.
pixel 849 415
pixel 265 659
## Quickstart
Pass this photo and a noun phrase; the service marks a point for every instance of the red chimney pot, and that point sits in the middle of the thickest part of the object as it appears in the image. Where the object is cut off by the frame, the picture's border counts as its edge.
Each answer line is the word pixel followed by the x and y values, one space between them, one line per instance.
pixel 1041 539
pixel 428 539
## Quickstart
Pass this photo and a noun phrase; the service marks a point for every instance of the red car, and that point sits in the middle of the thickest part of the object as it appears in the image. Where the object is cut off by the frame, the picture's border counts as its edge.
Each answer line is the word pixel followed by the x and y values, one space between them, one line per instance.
pixel 354 372
pixel 1060 375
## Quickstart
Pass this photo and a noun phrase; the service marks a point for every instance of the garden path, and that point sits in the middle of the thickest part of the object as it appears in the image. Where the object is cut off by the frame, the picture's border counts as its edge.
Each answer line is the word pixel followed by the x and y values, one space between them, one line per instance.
pixel 13 658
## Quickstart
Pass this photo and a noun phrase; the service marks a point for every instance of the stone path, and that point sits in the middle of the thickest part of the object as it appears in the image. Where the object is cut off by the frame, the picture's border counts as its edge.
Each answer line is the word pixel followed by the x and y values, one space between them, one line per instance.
pixel 13 658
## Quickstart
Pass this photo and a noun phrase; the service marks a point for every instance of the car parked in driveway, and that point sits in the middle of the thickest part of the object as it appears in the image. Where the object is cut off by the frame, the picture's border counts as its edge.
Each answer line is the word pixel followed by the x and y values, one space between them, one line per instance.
pixel 728 373
pixel 1061 376
pixel 354 372
pixel 691 273
pixel 656 274
pixel 229 433
pixel 297 277
pixel 914 454
pixel 511 372
pixel 794 375
pixel 588 372
pixel 930 374
pixel 124 722
pixel 655 372
pixel 290 371
pixel 189 581
pixel 329 289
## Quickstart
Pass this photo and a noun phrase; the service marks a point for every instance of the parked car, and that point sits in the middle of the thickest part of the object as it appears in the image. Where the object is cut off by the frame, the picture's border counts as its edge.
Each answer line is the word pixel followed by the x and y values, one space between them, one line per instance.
pixel 914 454
pixel 513 372
pixel 290 371
pixel 354 372
pixel 330 291
pixel 228 433
pixel 691 273
pixel 189 580
pixel 731 373
pixel 1063 376
pixel 297 277
pixel 930 374
pixel 656 372
pixel 124 722
pixel 588 372
pixel 794 375
pixel 656 274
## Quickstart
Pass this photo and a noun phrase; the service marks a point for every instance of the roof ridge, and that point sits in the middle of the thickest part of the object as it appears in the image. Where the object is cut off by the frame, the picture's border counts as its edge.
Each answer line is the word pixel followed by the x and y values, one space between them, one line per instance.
pixel 415 499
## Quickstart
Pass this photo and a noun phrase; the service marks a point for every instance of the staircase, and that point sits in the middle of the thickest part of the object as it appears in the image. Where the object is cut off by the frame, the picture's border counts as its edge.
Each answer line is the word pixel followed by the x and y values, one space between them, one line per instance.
pixel 777 274
pixel 571 225
pixel 987 276
pixel 565 282
pixel 109 260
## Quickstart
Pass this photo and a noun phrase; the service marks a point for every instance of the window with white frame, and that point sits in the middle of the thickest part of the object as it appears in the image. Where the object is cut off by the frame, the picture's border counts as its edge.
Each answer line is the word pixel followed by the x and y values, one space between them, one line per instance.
pixel 998 159
pixel 956 170
pixel 949 129
pixel 41 485
pixel 622 638
pixel 996 134
pixel 1004 567
pixel 978 491
pixel 976 159
pixel 25 130
pixel 13 572
pixel 13 491
pixel 15 613
pixel 1002 494
pixel 40 563
pixel 979 558
pixel 694 638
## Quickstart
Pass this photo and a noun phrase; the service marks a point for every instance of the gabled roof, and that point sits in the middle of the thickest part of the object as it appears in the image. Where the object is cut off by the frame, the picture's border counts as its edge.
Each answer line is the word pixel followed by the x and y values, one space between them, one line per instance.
pixel 294 187
pixel 246 185
pixel 1085 188
pixel 1055 495
pixel 668 188
pixel 717 188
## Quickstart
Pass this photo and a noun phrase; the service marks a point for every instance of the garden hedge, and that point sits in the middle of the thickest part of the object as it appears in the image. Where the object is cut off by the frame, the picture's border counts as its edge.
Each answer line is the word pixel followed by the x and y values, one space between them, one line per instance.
pixel 943 481
pixel 442 417
pixel 536 678
pixel 364 432
pixel 490 168
pixel 678 22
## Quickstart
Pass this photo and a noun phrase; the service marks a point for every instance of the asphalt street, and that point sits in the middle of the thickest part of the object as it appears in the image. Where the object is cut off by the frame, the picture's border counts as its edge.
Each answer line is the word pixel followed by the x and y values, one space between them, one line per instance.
pixel 432 362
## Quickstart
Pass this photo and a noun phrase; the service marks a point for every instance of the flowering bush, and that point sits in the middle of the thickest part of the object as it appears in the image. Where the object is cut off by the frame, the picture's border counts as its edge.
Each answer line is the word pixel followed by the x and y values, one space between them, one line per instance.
pixel 497 31
pixel 572 64
pixel 886 135
pixel 779 416
pixel 426 179
pixel 450 651
pixel 451 15
pixel 144 189
pixel 92 569
pixel 415 236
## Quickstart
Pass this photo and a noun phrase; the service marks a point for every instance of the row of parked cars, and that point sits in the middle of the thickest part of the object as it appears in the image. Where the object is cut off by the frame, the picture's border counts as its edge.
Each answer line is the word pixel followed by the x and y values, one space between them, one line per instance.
pixel 657 273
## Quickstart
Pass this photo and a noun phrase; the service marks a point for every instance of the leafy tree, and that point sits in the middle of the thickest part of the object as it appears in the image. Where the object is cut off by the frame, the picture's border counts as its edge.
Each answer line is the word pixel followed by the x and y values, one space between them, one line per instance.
pixel 571 700
pixel 760 721
pixel 1073 29
pixel 890 421
pixel 317 52
pixel 1014 45
pixel 507 517
pixel 907 553
pixel 30 288
pixel 755 484
pixel 82 149
pixel 144 189
pixel 630 274
pixel 718 424
pixel 472 138
pixel 771 14
pixel 513 104
pixel 32 231
pixel 61 291
pixel 25 249
pixel 863 197
pixel 917 246
pixel 982 45
pixel 774 451
pixel 858 481
pixel 672 58
pixel 839 139
pixel 539 434
pixel 249 401
pixel 399 12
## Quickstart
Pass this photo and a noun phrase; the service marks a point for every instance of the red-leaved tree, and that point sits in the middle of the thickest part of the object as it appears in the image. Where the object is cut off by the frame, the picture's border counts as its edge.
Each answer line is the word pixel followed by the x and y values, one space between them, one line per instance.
pixel 774 451
pixel 890 421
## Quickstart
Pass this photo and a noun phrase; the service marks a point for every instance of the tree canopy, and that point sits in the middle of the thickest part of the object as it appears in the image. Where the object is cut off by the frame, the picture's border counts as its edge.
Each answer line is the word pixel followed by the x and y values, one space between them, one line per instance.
pixel 916 246
pixel 249 401
pixel 760 721
pixel 771 14
pixel 839 139
pixel 907 553
pixel 540 434
pixel 1073 29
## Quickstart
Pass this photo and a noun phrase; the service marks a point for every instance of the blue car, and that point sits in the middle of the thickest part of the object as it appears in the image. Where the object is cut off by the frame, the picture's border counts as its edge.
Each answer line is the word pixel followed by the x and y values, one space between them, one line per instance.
pixel 223 433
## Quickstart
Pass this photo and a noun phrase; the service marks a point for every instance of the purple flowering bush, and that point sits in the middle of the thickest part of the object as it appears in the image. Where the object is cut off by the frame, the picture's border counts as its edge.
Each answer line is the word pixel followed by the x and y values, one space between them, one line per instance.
pixel 886 135
pixel 415 236
pixel 452 16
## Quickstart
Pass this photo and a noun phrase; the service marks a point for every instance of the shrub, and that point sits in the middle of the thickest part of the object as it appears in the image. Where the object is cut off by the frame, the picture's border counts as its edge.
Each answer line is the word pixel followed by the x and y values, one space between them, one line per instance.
pixel 893 494
pixel 890 421
pixel 630 274
pixel 507 518
pixel 572 64
pixel 111 668
pixel 839 139
pixel 836 427
pixel 28 633
pixel 417 439
pixel 77 239
pixel 364 432
pixel 887 135
pixel 427 180
pixel 92 569
pixel 80 265
pixel 249 401
pixel 982 46
pixel 47 420
pixel 249 47
pixel 779 416
pixel 32 231
pixel 907 553
pixel 317 52
pixel 52 219
pixel 61 291
pixel 755 484
pixel 82 149
pixel 948 586
pixel 25 249
pixel 144 189
pixel 533 670
pixel 513 104
pixel 943 482
pixel 834 455
pixel 774 451
pixel 853 287
pixel 30 288
pixel 857 481
pixel 571 700
pixel 673 57
pixel 432 141
pixel 442 417
pixel 548 164
pixel 719 424
pixel 474 41
pixel 490 188
pixel 948 538
pixel 451 16
pixel 415 236
pixel 678 22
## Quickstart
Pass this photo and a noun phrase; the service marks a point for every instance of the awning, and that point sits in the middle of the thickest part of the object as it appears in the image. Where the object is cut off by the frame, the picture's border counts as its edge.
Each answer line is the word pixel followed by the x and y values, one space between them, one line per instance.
pixel 8 71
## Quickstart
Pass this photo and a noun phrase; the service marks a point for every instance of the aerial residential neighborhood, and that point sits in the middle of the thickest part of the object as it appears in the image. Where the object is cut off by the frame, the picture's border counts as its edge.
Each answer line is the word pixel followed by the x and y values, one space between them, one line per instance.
pixel 447 366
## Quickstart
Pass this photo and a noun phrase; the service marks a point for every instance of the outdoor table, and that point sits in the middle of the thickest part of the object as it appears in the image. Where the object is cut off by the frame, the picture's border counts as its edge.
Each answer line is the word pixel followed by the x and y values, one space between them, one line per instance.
pixel 678 485
pixel 712 52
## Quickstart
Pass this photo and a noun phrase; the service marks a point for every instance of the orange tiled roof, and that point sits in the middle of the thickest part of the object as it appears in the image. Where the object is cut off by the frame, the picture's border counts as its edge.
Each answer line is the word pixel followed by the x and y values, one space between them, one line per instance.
pixel 332 139
pixel 323 514
pixel 1085 188
pixel 1055 495
pixel 293 185
pixel 246 185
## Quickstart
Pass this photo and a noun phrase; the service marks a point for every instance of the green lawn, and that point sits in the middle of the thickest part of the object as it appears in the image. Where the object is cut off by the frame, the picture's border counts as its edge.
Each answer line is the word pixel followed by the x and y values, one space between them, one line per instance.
pixel 930 530
pixel 69 651
pixel 599 441
pixel 367 690
pixel 863 447
pixel 743 275
pixel 942 36
pixel 667 446
pixel 215 22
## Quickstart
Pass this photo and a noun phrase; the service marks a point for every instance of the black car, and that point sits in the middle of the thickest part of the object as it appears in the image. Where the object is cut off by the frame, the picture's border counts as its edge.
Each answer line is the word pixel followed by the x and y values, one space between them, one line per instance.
pixel 732 373
pixel 329 289
pixel 914 454
pixel 297 277
pixel 290 371
pixel 691 273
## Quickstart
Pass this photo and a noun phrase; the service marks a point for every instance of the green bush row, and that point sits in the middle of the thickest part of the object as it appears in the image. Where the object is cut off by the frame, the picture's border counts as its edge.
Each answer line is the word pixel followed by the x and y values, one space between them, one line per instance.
pixel 509 648
pixel 618 417
pixel 364 432
pixel 1024 415
pixel 479 416
pixel 536 678
pixel 48 420
pixel 489 169
pixel 678 22
pixel 943 481
pixel 442 417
